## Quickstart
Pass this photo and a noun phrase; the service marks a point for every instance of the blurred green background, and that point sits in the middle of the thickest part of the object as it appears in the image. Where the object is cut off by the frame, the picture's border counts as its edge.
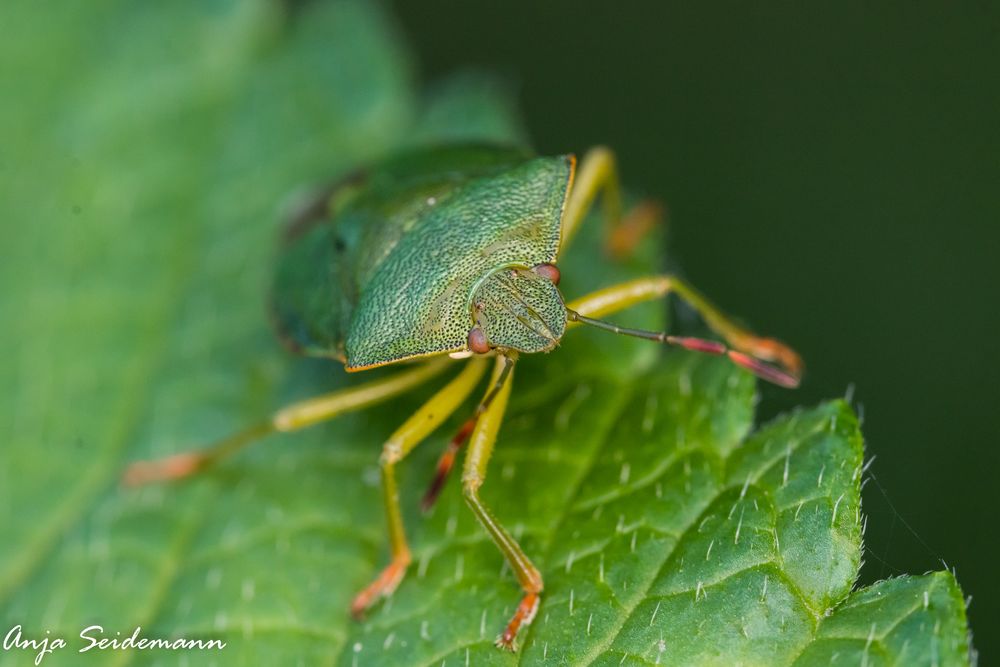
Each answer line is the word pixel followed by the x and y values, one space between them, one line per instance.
pixel 833 176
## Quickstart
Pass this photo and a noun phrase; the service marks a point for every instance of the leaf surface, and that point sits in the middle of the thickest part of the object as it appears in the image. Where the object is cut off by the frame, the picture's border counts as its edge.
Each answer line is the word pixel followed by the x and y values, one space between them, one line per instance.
pixel 143 171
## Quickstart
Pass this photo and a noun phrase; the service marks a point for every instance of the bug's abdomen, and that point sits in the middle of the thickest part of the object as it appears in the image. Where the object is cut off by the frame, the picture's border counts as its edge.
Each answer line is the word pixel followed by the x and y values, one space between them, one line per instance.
pixel 312 295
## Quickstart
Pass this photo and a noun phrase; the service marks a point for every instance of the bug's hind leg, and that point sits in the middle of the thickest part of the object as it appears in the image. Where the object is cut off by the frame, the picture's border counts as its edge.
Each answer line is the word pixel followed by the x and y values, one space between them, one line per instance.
pixel 291 418
pixel 748 349
pixel 473 475
pixel 413 431
pixel 598 175
pixel 623 238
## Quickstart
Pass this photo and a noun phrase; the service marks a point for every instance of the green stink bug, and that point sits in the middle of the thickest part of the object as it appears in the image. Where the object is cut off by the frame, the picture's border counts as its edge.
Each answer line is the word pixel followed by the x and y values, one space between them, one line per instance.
pixel 452 252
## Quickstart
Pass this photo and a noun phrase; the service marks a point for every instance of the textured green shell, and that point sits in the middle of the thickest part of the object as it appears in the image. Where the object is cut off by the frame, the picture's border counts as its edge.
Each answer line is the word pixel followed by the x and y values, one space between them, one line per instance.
pixel 385 269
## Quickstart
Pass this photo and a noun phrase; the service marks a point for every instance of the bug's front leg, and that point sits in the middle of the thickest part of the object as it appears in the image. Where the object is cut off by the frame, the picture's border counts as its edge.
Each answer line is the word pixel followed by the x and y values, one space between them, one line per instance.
pixel 413 431
pixel 753 352
pixel 473 475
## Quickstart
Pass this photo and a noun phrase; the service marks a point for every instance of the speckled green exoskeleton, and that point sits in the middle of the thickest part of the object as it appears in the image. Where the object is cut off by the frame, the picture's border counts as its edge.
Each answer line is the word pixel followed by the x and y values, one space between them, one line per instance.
pixel 450 253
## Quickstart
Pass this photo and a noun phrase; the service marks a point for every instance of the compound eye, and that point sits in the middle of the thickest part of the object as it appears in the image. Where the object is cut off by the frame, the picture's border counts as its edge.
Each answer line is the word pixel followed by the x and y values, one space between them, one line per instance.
pixel 477 341
pixel 548 271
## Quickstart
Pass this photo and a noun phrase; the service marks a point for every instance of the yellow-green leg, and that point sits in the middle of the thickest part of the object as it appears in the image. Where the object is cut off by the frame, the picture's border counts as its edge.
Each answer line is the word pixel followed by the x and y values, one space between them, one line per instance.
pixel 447 459
pixel 413 431
pixel 748 348
pixel 598 175
pixel 473 475
pixel 291 418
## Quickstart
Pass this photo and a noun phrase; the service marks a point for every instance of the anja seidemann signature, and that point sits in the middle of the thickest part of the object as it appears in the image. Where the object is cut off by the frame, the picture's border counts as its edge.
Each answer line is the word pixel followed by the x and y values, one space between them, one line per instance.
pixel 93 638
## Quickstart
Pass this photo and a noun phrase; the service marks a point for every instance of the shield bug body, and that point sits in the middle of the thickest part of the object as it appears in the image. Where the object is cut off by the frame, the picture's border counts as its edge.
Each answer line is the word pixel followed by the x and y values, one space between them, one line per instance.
pixel 452 252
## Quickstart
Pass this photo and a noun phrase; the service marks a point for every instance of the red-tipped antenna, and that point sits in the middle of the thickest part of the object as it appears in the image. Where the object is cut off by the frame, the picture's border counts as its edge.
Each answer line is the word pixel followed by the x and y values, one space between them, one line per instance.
pixel 763 370
pixel 784 377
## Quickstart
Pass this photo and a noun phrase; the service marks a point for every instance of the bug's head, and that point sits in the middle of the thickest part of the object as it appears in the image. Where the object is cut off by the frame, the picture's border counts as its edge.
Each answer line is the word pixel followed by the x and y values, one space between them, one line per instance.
pixel 517 307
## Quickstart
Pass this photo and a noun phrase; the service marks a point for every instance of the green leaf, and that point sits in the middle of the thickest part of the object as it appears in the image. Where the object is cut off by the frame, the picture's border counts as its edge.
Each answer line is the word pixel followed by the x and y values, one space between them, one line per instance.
pixel 143 171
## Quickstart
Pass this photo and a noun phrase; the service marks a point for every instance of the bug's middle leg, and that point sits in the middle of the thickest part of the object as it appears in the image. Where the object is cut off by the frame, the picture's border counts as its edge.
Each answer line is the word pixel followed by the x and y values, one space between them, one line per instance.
pixel 473 475
pixel 290 418
pixel 413 431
